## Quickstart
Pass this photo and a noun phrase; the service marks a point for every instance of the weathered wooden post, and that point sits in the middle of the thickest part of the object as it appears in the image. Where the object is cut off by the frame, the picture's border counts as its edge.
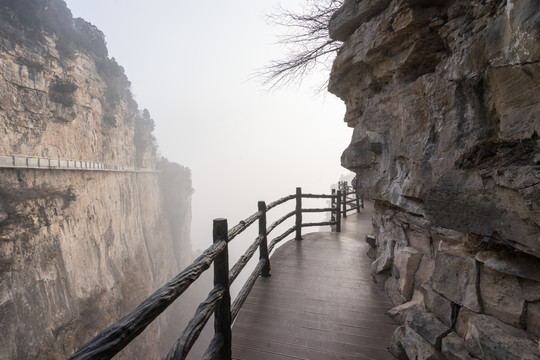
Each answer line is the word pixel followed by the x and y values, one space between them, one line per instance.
pixel 333 206
pixel 222 314
pixel 344 201
pixel 357 200
pixel 263 247
pixel 298 214
pixel 338 211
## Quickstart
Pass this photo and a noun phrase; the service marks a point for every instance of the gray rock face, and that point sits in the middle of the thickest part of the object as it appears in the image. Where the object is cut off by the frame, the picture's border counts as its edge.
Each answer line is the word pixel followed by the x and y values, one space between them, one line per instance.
pixel 456 278
pixel 501 296
pixel 453 347
pixel 488 338
pixel 444 99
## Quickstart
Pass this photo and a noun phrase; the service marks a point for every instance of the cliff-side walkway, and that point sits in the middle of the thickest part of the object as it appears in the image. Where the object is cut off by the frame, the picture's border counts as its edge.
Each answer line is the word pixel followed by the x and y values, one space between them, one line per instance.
pixel 319 303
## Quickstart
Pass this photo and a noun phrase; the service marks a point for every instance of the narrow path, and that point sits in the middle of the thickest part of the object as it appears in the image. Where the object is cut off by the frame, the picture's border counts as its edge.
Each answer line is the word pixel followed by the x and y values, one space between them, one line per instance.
pixel 39 163
pixel 319 303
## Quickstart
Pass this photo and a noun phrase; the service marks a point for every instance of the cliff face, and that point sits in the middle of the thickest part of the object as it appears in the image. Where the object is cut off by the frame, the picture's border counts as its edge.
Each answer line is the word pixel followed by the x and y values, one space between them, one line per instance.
pixel 444 99
pixel 78 249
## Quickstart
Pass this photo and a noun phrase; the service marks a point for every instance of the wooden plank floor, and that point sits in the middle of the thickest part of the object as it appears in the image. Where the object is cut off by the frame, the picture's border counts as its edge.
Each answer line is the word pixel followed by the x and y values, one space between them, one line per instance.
pixel 319 303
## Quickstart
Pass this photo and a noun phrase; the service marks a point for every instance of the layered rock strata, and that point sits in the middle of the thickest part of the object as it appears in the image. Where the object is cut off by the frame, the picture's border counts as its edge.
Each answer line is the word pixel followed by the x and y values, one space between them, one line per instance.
pixel 444 99
pixel 78 249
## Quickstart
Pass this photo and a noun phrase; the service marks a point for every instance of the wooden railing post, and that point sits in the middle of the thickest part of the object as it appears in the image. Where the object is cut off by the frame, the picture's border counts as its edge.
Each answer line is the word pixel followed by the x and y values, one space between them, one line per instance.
pixel 344 201
pixel 333 206
pixel 263 247
pixel 222 314
pixel 298 214
pixel 338 211
pixel 357 200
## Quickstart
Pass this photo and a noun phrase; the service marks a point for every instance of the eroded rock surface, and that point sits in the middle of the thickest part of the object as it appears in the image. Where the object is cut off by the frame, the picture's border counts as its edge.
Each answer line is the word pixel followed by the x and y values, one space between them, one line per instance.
pixel 78 249
pixel 444 99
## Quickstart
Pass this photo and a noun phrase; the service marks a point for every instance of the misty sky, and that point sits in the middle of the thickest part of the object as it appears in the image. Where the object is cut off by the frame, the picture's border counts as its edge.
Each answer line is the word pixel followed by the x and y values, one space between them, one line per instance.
pixel 192 64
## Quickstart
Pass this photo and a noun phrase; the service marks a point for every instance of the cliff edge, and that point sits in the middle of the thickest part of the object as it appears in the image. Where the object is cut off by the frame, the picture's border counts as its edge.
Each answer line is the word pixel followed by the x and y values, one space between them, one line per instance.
pixel 444 99
pixel 78 249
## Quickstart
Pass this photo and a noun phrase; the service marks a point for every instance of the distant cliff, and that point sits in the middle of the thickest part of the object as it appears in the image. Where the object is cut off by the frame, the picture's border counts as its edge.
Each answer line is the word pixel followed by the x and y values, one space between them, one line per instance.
pixel 78 249
pixel 444 99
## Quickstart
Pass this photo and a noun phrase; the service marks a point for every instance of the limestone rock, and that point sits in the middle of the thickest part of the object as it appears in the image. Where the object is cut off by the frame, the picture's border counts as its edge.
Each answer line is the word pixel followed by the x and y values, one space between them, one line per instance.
pixel 399 313
pixel 456 278
pixel 489 338
pixel 453 347
pixel 512 263
pixel 530 290
pixel 458 201
pixel 441 307
pixel 385 260
pixel 444 100
pixel 533 319
pixel 416 347
pixel 501 296
pixel 78 249
pixel 352 14
pixel 391 286
pixel 396 348
pixel 406 261
pixel 427 326
pixel 462 321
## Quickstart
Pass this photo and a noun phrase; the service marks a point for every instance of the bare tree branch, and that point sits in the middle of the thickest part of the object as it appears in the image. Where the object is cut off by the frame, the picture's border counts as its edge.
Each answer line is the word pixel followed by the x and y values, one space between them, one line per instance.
pixel 308 42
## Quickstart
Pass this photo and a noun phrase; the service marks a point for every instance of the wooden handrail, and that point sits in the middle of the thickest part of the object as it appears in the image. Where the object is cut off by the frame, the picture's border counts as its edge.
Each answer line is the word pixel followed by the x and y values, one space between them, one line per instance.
pixel 279 202
pixel 109 342
pixel 196 325
pixel 116 337
pixel 243 260
pixel 279 221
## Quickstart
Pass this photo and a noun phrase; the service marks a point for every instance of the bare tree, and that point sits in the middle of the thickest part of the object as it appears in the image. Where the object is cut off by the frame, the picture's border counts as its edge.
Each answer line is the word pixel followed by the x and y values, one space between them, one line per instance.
pixel 307 39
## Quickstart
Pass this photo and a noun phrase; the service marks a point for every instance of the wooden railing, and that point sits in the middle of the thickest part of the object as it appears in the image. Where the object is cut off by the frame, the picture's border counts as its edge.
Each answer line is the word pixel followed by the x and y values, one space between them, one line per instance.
pixel 350 199
pixel 112 340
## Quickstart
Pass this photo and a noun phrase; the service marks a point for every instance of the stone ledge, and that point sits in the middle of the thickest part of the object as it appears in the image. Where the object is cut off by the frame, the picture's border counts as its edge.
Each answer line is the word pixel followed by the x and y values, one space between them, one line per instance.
pixel 352 14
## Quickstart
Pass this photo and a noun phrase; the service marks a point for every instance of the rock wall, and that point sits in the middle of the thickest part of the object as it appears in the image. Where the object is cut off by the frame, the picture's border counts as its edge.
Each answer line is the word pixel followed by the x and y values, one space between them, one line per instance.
pixel 444 99
pixel 78 249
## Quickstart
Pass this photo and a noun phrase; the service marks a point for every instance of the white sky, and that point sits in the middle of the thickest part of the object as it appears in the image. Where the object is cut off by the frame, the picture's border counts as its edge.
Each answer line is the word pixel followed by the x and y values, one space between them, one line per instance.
pixel 191 64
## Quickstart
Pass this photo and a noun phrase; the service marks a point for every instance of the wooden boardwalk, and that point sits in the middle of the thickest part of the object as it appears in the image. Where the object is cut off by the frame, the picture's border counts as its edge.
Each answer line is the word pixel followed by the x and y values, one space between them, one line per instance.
pixel 319 303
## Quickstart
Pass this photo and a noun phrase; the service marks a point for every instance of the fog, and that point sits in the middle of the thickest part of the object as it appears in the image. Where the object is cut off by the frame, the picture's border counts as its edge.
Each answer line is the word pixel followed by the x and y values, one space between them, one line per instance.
pixel 192 65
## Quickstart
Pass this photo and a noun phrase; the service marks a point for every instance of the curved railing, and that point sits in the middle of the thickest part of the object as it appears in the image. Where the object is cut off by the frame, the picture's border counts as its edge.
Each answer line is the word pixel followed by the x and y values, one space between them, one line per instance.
pixel 112 340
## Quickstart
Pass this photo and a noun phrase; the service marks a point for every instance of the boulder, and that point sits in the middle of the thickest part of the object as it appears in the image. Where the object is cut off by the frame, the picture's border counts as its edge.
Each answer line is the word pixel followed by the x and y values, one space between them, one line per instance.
pixel 385 260
pixel 416 347
pixel 489 338
pixel 406 261
pixel 428 326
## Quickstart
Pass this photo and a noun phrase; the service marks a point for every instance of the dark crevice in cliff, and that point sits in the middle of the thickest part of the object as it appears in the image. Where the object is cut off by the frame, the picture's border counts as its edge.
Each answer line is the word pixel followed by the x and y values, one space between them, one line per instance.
pixel 497 153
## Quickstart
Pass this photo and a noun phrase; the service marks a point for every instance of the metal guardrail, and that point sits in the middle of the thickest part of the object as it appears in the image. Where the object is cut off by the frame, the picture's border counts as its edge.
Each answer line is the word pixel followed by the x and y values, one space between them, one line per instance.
pixel 41 163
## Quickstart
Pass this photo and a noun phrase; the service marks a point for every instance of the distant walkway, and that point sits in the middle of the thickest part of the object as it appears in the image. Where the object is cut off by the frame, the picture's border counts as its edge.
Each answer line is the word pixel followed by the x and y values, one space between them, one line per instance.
pixel 319 303
pixel 30 162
